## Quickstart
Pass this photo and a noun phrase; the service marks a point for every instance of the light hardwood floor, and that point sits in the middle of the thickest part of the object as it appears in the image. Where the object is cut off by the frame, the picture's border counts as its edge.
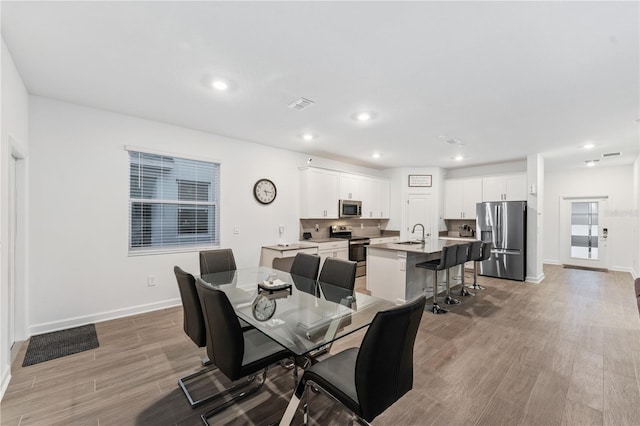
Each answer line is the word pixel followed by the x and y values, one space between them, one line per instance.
pixel 563 352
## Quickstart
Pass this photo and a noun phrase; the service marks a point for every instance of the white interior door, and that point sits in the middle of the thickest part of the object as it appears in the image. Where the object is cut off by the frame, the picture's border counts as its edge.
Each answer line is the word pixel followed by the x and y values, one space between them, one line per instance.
pixel 419 211
pixel 585 232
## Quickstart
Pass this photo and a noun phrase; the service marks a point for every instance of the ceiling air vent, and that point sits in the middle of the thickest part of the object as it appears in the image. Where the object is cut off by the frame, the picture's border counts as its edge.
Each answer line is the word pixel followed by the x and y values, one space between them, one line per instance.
pixel 300 104
pixel 454 142
pixel 611 154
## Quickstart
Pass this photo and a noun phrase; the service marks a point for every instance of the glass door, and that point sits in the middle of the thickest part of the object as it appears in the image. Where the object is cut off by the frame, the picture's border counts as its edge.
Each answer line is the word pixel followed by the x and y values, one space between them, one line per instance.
pixel 584 242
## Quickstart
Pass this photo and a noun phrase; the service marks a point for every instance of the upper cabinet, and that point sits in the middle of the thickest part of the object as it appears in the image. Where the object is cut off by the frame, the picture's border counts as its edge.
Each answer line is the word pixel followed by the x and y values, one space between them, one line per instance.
pixel 350 187
pixel 505 188
pixel 461 196
pixel 375 198
pixel 320 190
pixel 318 193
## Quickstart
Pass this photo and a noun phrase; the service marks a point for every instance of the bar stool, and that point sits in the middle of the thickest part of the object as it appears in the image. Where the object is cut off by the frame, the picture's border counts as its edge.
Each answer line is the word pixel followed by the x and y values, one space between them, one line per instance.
pixel 464 256
pixel 446 261
pixel 480 251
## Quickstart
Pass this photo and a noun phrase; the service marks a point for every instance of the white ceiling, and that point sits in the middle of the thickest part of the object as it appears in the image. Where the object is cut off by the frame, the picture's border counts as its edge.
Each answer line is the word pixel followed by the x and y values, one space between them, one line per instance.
pixel 508 79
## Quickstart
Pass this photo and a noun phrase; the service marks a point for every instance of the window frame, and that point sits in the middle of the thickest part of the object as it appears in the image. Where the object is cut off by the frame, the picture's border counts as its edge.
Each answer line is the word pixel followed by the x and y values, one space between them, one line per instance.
pixel 212 205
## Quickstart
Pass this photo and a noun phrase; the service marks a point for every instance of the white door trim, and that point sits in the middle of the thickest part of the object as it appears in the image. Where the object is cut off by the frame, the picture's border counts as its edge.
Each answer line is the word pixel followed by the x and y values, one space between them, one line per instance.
pixel 565 232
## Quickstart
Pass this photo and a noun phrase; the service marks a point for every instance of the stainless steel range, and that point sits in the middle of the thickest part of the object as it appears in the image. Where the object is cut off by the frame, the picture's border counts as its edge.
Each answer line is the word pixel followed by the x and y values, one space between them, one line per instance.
pixel 357 246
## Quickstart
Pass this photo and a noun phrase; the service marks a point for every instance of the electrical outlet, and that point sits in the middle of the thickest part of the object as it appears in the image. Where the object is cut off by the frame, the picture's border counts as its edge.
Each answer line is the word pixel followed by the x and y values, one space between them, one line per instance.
pixel 281 229
pixel 236 229
pixel 362 226
pixel 151 280
pixel 317 228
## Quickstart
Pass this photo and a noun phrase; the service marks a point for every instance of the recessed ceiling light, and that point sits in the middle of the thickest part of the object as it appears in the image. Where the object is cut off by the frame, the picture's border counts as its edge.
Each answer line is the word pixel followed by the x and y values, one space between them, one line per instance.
pixel 591 163
pixel 363 116
pixel 307 137
pixel 220 85
pixel 588 145
pixel 458 158
pixel 375 155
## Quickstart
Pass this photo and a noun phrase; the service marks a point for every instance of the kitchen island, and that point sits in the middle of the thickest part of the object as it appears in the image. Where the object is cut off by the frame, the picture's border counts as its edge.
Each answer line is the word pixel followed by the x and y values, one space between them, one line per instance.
pixel 392 273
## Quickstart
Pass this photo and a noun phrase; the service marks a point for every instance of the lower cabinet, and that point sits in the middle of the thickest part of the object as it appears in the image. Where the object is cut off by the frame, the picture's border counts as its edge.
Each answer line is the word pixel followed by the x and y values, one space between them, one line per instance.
pixel 339 249
pixel 280 257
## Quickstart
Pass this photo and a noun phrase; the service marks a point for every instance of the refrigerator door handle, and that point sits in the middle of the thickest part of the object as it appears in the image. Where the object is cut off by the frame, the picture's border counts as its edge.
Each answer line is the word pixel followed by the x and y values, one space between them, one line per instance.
pixel 506 251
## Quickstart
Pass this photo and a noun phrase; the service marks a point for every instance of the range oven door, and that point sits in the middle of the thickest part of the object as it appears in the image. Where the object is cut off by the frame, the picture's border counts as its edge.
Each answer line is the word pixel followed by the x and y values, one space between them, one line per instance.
pixel 358 253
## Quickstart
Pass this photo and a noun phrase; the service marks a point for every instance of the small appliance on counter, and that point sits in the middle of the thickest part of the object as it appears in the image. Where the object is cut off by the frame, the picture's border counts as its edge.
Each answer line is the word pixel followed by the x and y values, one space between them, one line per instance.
pixel 306 235
pixel 466 231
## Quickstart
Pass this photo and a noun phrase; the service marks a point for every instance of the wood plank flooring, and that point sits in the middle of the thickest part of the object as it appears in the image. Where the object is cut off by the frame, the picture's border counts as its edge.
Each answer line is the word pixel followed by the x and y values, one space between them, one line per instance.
pixel 563 352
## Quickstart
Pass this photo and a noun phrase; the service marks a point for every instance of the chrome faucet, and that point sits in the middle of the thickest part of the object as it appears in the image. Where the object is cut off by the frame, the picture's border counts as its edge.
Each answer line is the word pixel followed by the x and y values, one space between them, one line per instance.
pixel 414 230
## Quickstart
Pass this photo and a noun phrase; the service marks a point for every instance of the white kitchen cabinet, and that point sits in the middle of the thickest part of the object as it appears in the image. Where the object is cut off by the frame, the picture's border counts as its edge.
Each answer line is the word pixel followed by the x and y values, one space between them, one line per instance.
pixel 505 188
pixel 383 240
pixel 320 190
pixel 375 198
pixel 350 187
pixel 461 196
pixel 339 249
pixel 319 193
pixel 282 257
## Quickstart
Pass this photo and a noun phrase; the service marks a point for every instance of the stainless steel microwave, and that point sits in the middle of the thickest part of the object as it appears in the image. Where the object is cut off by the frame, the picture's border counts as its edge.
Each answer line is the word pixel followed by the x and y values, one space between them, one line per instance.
pixel 350 208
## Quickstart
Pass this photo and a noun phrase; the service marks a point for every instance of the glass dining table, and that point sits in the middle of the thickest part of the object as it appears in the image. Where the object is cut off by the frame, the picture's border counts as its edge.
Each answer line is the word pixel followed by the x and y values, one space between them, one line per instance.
pixel 301 314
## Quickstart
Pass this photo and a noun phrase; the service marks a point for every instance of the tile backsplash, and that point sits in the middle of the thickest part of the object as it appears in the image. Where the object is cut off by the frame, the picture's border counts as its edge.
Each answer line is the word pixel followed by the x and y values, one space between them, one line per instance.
pixel 455 227
pixel 361 227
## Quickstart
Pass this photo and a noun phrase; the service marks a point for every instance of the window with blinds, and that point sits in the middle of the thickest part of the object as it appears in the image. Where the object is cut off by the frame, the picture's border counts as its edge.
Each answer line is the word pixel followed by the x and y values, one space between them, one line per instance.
pixel 173 203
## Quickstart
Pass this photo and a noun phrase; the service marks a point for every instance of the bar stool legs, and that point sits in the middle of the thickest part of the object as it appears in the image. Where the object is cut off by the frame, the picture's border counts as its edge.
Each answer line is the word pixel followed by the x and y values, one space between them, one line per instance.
pixel 475 285
pixel 436 309
pixel 463 290
pixel 448 299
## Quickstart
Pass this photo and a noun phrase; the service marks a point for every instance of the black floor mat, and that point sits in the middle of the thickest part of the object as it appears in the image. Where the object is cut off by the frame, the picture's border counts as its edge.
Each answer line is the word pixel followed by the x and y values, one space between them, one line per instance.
pixel 48 346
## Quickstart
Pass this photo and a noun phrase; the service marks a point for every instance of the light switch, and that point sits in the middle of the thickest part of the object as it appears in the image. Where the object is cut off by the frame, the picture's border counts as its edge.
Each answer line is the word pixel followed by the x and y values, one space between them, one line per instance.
pixel 236 229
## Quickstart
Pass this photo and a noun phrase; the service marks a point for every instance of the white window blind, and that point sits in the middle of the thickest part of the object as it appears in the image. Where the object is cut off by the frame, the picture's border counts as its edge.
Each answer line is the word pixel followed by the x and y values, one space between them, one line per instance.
pixel 173 203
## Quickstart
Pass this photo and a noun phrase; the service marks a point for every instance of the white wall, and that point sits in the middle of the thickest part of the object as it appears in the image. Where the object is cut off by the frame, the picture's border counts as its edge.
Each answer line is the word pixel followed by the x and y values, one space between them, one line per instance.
pixel 615 182
pixel 80 268
pixel 505 168
pixel 535 218
pixel 400 191
pixel 14 131
pixel 636 203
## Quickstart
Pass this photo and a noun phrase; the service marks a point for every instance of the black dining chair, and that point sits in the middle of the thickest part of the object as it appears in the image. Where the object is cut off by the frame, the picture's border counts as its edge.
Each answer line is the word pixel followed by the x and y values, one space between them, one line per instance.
pixel 338 272
pixel 305 265
pixel 304 273
pixel 337 280
pixel 448 257
pixel 219 260
pixel 194 328
pixel 369 380
pixel 238 354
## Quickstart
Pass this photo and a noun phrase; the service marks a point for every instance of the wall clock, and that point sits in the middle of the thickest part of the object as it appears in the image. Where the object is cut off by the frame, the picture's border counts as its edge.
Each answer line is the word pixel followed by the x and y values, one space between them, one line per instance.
pixel 265 191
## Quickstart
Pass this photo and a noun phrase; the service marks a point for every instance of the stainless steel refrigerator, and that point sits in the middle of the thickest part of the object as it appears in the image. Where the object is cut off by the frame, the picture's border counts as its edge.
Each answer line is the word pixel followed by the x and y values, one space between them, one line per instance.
pixel 504 225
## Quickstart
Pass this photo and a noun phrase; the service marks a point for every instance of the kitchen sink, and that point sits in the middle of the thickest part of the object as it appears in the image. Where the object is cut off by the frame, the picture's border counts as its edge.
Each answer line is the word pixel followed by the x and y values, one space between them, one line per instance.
pixel 411 243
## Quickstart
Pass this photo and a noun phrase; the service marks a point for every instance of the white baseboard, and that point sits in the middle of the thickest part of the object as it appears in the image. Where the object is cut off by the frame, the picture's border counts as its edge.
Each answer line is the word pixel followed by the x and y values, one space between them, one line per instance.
pixel 6 378
pixel 535 280
pixel 103 316
pixel 551 262
pixel 624 269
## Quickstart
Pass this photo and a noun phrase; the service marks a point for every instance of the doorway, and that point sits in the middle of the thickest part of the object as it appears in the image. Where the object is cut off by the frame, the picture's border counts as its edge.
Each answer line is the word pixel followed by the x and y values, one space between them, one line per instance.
pixel 419 211
pixel 585 232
